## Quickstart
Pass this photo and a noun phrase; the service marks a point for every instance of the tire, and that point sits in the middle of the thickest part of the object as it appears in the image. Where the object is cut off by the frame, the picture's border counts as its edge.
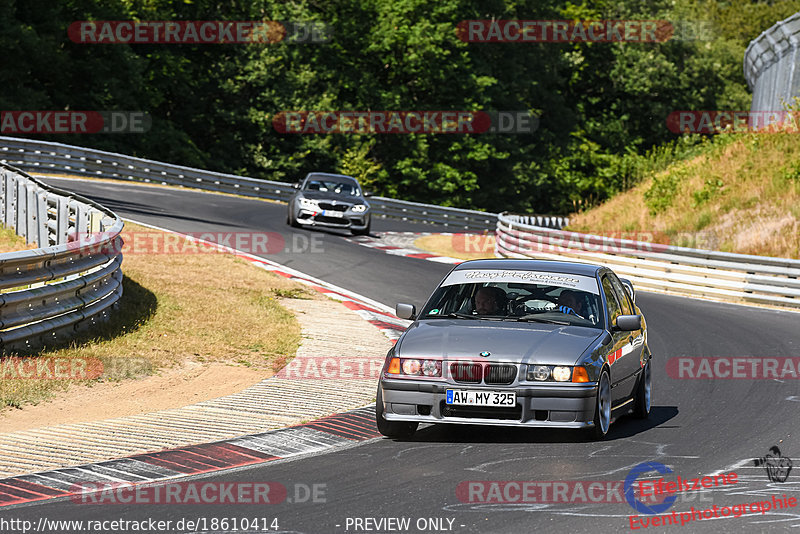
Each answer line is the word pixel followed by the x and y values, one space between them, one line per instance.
pixel 365 231
pixel 290 220
pixel 602 410
pixel 644 392
pixel 392 429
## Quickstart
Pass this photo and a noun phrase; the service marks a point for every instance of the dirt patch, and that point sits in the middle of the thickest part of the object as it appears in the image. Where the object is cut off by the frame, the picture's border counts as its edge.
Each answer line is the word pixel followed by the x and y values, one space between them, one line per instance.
pixel 170 388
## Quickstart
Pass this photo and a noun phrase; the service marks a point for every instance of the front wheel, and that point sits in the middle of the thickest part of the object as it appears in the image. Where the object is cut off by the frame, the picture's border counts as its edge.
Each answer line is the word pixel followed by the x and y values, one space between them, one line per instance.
pixel 641 406
pixel 392 429
pixel 364 231
pixel 290 218
pixel 602 411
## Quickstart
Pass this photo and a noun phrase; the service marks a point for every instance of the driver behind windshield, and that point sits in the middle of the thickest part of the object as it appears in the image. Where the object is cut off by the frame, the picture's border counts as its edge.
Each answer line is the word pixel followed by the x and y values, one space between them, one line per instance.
pixel 490 301
pixel 570 303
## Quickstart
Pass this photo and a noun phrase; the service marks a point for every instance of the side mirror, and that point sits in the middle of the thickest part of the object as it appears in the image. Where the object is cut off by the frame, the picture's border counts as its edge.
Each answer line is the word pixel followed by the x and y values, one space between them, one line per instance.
pixel 405 311
pixel 367 194
pixel 628 323
pixel 296 185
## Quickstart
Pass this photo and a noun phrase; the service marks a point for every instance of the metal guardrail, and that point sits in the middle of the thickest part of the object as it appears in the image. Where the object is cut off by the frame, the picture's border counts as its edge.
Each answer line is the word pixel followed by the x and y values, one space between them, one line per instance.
pixel 72 280
pixel 680 270
pixel 772 65
pixel 43 157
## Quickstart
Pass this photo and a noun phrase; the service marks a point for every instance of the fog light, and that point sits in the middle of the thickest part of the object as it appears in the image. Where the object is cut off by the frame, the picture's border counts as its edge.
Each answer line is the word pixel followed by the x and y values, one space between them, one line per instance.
pixel 411 367
pixel 562 374
pixel 539 372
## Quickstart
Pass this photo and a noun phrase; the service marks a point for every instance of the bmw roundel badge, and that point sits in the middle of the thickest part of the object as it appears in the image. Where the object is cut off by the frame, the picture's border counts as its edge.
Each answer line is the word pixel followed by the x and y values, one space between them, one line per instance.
pixel 485 354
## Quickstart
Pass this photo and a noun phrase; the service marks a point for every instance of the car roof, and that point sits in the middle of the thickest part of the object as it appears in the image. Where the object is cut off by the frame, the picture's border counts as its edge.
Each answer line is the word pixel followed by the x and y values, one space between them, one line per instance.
pixel 330 175
pixel 561 267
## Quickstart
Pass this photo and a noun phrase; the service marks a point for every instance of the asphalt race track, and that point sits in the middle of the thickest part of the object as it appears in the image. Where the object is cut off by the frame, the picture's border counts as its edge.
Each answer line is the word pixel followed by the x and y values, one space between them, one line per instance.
pixel 697 427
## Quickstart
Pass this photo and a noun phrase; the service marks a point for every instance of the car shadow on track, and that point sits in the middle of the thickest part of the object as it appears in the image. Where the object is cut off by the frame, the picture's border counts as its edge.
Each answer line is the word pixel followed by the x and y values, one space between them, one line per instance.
pixel 624 427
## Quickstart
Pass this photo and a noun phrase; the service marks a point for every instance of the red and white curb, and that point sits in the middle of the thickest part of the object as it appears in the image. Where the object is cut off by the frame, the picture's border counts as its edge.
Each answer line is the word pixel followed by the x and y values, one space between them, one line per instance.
pixel 335 431
pixel 401 244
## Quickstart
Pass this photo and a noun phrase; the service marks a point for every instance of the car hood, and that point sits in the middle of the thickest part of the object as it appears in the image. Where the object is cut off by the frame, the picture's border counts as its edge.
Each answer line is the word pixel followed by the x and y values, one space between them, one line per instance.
pixel 534 343
pixel 326 195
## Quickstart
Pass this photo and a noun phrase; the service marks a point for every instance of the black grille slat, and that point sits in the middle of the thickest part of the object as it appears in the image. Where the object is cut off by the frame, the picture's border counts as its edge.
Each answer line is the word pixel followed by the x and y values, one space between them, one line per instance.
pixel 499 374
pixel 333 207
pixel 466 373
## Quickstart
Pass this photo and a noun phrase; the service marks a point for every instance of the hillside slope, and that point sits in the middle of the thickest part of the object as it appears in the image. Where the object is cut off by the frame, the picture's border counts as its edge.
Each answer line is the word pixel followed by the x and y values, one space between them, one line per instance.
pixel 741 194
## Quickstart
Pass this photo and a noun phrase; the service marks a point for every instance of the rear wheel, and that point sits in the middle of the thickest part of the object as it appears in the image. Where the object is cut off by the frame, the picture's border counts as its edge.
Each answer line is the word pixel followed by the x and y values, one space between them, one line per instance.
pixel 392 429
pixel 641 406
pixel 602 411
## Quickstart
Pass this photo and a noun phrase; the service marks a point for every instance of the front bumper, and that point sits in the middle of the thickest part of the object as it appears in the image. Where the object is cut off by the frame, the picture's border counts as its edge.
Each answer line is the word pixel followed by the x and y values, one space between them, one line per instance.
pixel 357 221
pixel 539 405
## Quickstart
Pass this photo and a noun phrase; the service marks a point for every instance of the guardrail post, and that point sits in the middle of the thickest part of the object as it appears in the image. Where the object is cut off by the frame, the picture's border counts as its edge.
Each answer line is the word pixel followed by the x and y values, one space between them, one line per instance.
pixel 43 235
pixel 32 230
pixel 9 217
pixel 62 221
pixel 95 222
pixel 3 190
pixel 20 225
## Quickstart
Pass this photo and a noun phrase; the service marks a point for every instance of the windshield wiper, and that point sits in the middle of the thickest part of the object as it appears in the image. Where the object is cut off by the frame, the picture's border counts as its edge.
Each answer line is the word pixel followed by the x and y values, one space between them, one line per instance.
pixel 459 316
pixel 526 318
pixel 468 316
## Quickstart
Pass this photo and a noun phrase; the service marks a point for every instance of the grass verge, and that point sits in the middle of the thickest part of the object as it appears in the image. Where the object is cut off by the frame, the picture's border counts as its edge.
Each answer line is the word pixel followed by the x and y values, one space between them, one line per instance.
pixel 176 308
pixel 741 194
pixel 11 242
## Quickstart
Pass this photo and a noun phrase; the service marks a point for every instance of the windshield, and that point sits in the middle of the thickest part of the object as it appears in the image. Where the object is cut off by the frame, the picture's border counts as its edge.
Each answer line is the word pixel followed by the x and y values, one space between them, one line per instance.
pixel 514 301
pixel 332 185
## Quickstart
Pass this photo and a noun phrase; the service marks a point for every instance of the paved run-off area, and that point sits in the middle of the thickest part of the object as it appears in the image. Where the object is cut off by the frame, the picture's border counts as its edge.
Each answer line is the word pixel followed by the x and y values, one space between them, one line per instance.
pixel 312 386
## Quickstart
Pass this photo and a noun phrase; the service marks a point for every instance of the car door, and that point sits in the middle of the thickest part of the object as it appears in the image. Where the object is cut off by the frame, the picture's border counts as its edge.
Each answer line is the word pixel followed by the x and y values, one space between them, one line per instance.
pixel 632 350
pixel 619 366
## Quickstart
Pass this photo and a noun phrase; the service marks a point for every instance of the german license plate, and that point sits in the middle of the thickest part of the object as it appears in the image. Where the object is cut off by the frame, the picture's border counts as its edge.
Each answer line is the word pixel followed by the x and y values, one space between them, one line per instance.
pixel 331 213
pixel 471 397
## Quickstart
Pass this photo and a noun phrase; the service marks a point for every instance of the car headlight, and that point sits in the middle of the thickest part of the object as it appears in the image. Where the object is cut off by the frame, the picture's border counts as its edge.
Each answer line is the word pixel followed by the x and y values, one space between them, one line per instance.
pixel 561 373
pixel 539 372
pixel 414 367
pixel 556 373
pixel 358 208
pixel 308 203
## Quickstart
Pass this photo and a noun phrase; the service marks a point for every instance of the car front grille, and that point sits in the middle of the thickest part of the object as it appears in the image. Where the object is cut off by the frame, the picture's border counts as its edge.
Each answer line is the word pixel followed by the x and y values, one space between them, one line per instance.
pixel 474 373
pixel 499 374
pixel 333 207
pixel 466 373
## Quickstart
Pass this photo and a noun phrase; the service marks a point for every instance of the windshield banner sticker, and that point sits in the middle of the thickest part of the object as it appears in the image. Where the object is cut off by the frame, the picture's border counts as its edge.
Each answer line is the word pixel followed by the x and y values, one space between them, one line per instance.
pixel 476 276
